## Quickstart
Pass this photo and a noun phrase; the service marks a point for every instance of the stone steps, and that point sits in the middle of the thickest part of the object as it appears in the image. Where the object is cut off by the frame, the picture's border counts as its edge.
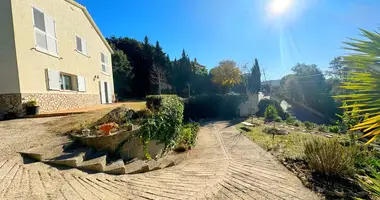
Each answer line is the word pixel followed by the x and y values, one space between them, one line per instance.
pixel 88 159
pixel 40 153
pixel 116 168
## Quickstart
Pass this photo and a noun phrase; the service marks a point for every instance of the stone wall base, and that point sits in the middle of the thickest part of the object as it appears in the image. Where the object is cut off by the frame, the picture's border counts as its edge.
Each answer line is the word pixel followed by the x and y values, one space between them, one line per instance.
pixel 10 103
pixel 48 102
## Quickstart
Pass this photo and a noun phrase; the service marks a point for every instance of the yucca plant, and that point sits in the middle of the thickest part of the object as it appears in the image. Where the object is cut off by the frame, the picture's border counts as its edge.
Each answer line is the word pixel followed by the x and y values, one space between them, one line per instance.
pixel 362 83
pixel 373 186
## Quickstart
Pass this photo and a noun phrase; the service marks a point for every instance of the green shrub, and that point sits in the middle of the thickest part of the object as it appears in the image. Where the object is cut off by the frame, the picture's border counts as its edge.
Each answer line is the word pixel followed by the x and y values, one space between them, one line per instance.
pixel 166 122
pixel 278 119
pixel 329 157
pixel 309 125
pixel 270 113
pixel 368 161
pixel 213 106
pixel 322 128
pixel 264 103
pixel 154 102
pixel 297 124
pixel 290 120
pixel 142 114
pixel 188 137
pixel 333 129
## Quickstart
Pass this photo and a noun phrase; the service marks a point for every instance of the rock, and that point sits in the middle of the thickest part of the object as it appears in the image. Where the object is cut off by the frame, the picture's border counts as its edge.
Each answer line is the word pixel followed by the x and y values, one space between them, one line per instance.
pixel 118 115
pixel 247 124
pixel 303 130
pixel 328 136
pixel 293 128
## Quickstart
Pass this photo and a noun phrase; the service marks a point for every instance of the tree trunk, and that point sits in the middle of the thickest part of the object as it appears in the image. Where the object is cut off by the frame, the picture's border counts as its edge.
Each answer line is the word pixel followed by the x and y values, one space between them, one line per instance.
pixel 159 87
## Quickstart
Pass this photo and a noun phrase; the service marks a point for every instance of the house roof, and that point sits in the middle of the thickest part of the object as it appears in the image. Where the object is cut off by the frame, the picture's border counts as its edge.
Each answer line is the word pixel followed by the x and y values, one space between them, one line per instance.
pixel 84 9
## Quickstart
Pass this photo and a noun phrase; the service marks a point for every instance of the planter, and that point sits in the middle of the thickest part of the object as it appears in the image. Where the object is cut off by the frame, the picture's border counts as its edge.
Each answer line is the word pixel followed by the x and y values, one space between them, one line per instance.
pixel 32 110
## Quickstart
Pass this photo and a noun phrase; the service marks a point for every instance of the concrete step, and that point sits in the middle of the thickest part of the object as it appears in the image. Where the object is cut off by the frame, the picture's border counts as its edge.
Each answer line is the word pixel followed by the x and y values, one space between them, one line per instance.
pixel 46 151
pixel 136 167
pixel 116 168
pixel 94 161
pixel 72 159
pixel 153 165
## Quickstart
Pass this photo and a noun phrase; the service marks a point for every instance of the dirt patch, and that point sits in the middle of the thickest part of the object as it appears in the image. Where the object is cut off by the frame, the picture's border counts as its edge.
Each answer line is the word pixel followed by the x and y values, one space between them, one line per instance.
pixel 330 187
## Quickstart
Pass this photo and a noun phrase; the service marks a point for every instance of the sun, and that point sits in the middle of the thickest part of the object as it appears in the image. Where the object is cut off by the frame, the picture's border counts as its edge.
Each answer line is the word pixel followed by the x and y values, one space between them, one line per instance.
pixel 279 7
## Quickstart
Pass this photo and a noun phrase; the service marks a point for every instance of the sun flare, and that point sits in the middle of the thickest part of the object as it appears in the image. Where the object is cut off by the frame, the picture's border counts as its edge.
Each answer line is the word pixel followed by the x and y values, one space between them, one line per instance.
pixel 279 7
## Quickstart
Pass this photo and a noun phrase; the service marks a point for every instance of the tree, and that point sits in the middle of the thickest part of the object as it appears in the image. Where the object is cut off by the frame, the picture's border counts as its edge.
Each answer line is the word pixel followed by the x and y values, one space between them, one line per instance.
pixel 255 85
pixel 122 73
pixel 337 69
pixel 270 114
pixel 363 83
pixel 158 77
pixel 226 74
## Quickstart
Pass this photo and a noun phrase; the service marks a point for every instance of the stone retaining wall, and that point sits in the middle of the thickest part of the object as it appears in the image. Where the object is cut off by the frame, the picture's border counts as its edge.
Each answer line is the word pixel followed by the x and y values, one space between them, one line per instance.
pixel 10 103
pixel 54 102
pixel 48 102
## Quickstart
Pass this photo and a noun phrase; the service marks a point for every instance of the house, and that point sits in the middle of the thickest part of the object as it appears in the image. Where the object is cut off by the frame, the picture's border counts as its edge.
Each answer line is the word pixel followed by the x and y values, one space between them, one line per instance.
pixel 52 51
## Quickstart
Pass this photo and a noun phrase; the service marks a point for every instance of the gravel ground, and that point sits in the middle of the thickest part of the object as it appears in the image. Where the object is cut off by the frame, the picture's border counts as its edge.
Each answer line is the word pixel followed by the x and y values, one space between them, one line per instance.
pixel 22 134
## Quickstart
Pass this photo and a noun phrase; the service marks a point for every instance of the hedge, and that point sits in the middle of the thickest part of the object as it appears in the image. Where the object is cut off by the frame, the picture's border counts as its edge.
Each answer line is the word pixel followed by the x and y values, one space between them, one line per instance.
pixel 213 106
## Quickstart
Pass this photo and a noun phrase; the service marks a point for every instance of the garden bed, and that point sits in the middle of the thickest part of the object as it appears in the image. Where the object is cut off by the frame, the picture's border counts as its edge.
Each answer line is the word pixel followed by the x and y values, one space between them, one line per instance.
pixel 289 150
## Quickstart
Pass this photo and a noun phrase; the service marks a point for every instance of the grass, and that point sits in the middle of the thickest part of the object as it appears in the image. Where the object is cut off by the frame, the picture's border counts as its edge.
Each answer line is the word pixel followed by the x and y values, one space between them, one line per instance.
pixel 76 122
pixel 283 146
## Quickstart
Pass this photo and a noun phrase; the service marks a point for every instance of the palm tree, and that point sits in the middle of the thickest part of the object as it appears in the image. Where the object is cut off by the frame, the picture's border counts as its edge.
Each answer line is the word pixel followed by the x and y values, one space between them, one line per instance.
pixel 363 83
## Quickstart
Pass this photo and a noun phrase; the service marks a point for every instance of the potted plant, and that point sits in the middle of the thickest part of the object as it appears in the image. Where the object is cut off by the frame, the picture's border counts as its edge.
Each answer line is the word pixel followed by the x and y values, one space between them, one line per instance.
pixel 32 108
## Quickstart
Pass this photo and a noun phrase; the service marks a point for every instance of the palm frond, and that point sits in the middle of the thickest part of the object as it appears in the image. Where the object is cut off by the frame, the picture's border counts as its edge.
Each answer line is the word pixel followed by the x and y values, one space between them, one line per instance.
pixel 363 82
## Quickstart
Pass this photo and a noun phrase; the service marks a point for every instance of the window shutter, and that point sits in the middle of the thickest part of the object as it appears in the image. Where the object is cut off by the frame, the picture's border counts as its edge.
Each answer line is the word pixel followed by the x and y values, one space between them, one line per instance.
pixel 81 84
pixel 50 26
pixel 51 35
pixel 102 92
pixel 109 92
pixel 84 46
pixel 54 79
pixel 52 45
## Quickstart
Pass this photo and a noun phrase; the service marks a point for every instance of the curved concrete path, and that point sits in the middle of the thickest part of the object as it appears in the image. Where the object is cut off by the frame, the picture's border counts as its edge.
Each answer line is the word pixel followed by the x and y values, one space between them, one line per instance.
pixel 223 165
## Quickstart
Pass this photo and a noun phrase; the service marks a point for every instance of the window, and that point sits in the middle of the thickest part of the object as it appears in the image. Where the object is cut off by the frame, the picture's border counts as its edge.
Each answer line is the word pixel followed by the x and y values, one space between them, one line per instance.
pixel 66 82
pixel 104 60
pixel 81 45
pixel 63 81
pixel 45 32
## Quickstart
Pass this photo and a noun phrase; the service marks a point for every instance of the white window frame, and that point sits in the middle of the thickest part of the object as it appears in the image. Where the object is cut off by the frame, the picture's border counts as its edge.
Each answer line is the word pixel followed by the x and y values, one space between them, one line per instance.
pixel 106 59
pixel 83 41
pixel 62 82
pixel 44 33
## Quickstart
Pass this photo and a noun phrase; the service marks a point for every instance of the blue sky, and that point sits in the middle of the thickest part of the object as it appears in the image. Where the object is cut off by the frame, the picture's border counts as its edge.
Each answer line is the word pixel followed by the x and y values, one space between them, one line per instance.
pixel 311 31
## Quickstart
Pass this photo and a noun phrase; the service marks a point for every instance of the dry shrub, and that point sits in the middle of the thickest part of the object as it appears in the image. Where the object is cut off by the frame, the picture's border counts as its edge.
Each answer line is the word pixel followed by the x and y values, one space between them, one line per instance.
pixel 329 157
